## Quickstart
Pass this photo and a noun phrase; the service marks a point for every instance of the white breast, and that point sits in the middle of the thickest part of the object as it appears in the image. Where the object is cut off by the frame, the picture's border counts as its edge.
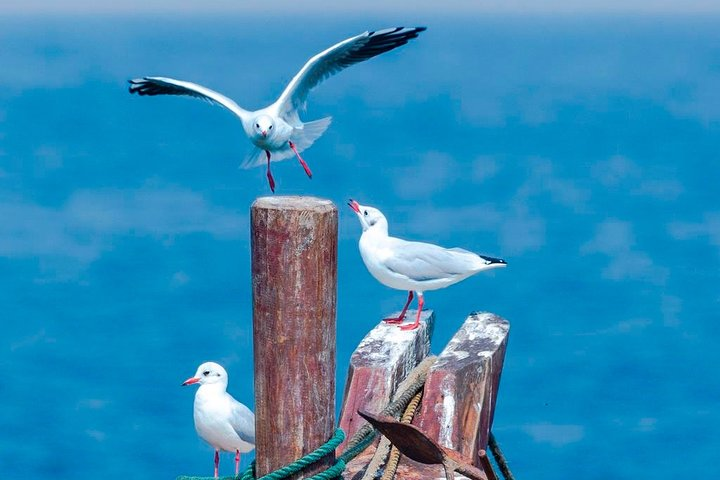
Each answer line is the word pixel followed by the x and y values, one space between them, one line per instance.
pixel 213 421
pixel 374 250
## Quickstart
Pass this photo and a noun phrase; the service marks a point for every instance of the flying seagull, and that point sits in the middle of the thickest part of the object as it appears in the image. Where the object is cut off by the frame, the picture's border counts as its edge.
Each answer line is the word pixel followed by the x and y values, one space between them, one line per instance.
pixel 413 266
pixel 276 130
pixel 223 422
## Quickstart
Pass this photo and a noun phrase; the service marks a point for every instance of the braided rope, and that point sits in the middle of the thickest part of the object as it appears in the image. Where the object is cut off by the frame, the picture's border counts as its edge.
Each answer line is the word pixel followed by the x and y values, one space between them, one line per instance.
pixel 500 458
pixel 357 444
pixel 407 389
pixel 312 457
pixel 359 441
pixel 394 458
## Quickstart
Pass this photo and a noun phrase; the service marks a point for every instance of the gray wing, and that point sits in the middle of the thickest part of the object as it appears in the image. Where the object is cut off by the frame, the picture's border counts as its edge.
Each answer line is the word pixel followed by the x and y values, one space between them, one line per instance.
pixel 424 261
pixel 338 57
pixel 243 422
pixel 169 86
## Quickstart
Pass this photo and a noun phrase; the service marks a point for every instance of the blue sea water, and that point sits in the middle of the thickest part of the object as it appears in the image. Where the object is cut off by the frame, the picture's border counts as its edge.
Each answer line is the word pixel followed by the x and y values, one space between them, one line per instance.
pixel 584 150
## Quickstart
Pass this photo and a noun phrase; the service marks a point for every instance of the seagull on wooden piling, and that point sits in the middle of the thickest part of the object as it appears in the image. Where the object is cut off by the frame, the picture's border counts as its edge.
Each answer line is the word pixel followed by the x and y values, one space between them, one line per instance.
pixel 413 266
pixel 276 130
pixel 223 422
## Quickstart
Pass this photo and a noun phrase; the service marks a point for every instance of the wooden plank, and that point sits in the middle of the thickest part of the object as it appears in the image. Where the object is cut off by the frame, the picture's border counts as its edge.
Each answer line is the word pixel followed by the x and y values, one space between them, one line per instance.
pixel 294 283
pixel 380 362
pixel 407 469
pixel 460 393
pixel 411 470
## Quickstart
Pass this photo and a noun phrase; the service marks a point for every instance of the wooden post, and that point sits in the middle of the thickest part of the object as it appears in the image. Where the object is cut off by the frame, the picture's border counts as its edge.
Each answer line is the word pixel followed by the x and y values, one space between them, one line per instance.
pixel 461 389
pixel 380 362
pixel 459 397
pixel 294 283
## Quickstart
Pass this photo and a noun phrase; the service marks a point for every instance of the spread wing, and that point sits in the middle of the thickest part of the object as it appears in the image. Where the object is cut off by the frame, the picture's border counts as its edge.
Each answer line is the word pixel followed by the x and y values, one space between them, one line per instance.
pixel 423 261
pixel 338 57
pixel 170 86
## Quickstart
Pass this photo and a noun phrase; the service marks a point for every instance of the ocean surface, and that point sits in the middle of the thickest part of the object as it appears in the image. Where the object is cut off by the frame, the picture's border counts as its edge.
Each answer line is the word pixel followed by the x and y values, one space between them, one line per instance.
pixel 583 150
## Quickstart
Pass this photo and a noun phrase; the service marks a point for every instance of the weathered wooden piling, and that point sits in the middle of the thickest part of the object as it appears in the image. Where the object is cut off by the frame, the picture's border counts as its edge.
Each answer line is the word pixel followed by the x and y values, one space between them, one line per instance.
pixel 461 388
pixel 458 400
pixel 294 284
pixel 380 362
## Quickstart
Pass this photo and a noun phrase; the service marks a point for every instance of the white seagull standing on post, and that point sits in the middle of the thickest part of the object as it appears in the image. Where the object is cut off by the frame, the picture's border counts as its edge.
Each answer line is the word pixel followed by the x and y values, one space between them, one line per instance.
pixel 223 422
pixel 276 130
pixel 413 266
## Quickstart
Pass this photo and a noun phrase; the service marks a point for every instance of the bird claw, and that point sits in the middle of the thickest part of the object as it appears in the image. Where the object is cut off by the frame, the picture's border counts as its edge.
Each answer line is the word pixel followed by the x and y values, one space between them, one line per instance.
pixel 393 320
pixel 409 326
pixel 271 180
pixel 307 169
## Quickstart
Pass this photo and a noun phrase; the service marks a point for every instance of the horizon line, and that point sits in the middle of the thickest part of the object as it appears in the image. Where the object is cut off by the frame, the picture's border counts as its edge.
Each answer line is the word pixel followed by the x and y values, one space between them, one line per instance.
pixel 313 7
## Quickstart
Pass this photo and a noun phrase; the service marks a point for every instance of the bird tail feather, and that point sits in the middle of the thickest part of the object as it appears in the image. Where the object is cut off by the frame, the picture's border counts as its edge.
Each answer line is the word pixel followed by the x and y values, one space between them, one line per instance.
pixel 301 137
pixel 310 132
pixel 254 158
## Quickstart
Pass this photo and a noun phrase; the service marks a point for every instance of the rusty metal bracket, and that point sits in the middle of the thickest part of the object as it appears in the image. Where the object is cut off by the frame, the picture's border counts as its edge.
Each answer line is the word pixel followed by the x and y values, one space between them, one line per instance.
pixel 415 444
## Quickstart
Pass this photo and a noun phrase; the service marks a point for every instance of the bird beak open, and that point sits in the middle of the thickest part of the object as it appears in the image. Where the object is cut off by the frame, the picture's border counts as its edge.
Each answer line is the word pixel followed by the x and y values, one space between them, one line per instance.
pixel 190 381
pixel 354 205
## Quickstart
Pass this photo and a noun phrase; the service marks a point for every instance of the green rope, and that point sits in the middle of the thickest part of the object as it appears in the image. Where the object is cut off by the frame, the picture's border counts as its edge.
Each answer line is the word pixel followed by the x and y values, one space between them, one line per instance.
pixel 356 445
pixel 312 457
pixel 359 442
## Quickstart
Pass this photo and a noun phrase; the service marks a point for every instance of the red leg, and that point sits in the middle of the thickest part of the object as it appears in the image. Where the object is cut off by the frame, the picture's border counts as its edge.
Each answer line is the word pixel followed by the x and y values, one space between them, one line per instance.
pixel 415 325
pixel 271 180
pixel 302 162
pixel 400 317
pixel 237 462
pixel 217 462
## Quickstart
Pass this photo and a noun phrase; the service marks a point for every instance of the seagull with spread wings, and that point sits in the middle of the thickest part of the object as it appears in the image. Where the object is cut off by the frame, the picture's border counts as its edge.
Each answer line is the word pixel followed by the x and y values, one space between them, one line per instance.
pixel 277 131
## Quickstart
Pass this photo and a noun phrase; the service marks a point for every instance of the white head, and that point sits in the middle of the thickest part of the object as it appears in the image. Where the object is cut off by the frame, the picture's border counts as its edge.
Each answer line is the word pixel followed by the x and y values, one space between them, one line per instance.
pixel 207 374
pixel 369 217
pixel 263 126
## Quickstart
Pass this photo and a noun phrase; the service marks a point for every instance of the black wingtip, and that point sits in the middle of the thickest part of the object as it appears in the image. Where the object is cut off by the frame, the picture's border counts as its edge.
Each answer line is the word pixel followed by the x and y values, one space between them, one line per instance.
pixel 493 260
pixel 405 32
pixel 135 84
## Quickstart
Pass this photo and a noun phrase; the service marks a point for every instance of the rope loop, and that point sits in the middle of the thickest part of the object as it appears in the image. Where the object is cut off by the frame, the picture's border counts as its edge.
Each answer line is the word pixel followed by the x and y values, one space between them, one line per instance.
pixel 312 457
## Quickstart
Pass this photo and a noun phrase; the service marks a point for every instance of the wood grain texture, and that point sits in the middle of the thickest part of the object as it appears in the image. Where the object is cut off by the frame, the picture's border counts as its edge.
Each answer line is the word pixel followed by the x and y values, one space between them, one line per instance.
pixel 294 285
pixel 407 469
pixel 461 389
pixel 380 362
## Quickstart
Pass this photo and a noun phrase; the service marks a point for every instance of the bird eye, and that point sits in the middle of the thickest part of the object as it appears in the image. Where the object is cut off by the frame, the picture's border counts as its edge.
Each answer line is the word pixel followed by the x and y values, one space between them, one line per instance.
pixel 206 373
pixel 366 213
pixel 270 127
pixel 257 125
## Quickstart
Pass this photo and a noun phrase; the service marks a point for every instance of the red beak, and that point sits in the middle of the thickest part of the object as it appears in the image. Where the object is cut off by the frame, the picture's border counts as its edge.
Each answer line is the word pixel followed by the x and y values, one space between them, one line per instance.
pixel 354 205
pixel 190 381
pixel 264 133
